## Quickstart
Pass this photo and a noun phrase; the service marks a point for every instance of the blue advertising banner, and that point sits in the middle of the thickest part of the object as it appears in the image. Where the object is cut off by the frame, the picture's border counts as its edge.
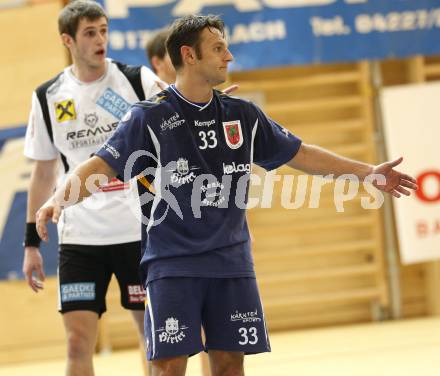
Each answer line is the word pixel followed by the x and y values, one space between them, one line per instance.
pixel 264 33
pixel 16 170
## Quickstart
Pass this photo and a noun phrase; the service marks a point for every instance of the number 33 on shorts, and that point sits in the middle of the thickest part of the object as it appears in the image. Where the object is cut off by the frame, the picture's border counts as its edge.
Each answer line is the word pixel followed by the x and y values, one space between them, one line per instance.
pixel 248 336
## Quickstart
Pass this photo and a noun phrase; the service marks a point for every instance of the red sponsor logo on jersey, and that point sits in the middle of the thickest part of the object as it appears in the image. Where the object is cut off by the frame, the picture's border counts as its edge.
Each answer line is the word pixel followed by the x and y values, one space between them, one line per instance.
pixel 136 294
pixel 233 133
pixel 114 185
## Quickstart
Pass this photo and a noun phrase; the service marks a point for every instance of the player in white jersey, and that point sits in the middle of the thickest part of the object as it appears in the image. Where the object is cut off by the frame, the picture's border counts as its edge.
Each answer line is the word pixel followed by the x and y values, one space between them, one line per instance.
pixel 72 116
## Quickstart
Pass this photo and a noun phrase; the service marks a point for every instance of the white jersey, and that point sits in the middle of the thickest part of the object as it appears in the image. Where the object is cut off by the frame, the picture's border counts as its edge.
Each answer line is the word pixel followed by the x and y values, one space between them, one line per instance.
pixel 70 120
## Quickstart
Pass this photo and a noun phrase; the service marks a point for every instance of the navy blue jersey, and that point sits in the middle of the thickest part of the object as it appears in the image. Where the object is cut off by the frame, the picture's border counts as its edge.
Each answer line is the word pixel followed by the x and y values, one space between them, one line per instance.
pixel 200 157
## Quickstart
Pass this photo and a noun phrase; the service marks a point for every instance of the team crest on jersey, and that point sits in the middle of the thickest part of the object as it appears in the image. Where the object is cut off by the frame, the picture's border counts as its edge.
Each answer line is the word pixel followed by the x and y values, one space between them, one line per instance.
pixel 65 110
pixel 233 133
pixel 182 166
pixel 172 326
pixel 172 332
pixel 183 173
pixel 91 119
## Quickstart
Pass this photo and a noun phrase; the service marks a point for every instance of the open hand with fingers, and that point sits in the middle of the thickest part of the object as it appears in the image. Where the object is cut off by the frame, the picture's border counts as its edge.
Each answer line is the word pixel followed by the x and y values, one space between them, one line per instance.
pixel 50 210
pixel 396 183
pixel 33 264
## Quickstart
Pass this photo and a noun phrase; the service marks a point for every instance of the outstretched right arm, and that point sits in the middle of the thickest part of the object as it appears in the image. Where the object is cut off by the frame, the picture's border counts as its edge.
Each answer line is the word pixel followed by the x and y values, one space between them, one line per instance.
pixel 82 183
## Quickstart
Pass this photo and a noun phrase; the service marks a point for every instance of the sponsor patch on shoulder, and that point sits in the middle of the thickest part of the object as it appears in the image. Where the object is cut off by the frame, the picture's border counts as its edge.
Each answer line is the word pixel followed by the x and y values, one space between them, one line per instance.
pixel 115 154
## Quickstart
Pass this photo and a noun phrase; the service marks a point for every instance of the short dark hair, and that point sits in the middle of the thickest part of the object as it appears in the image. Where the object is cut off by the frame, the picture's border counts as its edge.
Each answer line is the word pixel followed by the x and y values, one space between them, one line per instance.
pixel 72 13
pixel 186 31
pixel 156 45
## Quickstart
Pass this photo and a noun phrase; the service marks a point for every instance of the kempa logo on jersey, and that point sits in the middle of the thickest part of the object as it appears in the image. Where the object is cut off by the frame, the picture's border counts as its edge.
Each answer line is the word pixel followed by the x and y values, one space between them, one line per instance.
pixel 204 123
pixel 172 333
pixel 232 168
pixel 251 316
pixel 183 173
pixel 233 133
pixel 65 110
pixel 173 122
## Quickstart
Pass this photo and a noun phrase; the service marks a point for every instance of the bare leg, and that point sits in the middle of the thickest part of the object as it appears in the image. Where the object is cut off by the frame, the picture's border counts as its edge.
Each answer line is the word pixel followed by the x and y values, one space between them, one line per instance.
pixel 138 317
pixel 81 332
pixel 226 363
pixel 204 359
pixel 170 366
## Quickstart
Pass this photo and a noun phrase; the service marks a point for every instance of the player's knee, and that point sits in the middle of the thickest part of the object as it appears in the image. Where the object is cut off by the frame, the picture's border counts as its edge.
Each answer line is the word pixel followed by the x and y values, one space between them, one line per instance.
pixel 79 345
pixel 227 364
pixel 228 370
pixel 169 367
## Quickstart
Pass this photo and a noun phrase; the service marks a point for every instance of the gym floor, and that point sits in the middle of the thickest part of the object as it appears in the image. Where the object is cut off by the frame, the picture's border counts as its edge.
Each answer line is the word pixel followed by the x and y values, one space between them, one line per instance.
pixel 401 348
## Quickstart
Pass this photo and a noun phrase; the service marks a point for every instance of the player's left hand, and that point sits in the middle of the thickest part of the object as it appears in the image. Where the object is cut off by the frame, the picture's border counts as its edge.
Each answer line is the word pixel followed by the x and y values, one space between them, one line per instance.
pixel 50 210
pixel 396 183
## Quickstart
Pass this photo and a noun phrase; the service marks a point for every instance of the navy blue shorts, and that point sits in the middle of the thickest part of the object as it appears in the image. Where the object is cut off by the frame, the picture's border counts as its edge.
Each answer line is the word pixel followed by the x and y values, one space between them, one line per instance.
pixel 229 309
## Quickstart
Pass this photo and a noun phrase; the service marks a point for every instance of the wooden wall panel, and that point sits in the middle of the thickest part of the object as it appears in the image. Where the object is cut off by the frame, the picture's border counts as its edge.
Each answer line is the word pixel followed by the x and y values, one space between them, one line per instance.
pixel 317 266
pixel 31 54
pixel 30 326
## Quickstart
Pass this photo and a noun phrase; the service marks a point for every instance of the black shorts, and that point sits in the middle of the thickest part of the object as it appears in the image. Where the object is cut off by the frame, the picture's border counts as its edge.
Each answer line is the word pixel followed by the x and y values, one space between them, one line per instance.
pixel 85 272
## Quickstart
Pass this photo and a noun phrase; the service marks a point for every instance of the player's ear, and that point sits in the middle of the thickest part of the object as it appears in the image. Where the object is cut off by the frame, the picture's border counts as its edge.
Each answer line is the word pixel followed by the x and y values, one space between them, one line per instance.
pixel 67 40
pixel 155 63
pixel 188 55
